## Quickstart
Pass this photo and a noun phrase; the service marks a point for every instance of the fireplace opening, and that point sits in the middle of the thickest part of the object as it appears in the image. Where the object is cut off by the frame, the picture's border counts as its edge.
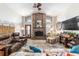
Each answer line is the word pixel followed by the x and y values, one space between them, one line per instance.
pixel 38 33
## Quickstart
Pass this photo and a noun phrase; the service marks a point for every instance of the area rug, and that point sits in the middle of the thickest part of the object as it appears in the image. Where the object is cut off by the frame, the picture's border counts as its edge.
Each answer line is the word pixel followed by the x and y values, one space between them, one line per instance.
pixel 41 44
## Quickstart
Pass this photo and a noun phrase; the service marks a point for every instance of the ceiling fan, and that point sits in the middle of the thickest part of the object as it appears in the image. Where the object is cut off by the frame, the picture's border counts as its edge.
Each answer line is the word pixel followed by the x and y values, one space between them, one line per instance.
pixel 38 6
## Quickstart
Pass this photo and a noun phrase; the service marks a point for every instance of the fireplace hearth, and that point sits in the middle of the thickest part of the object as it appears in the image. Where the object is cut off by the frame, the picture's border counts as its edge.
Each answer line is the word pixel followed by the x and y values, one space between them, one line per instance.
pixel 38 33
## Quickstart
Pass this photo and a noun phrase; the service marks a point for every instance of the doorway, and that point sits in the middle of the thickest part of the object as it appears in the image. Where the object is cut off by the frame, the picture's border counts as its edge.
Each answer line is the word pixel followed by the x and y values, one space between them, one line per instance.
pixel 28 31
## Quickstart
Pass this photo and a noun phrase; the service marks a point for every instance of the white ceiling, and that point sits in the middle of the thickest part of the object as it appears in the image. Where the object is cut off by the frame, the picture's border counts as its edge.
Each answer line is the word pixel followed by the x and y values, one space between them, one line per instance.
pixel 54 9
pixel 49 8
pixel 62 10
pixel 8 16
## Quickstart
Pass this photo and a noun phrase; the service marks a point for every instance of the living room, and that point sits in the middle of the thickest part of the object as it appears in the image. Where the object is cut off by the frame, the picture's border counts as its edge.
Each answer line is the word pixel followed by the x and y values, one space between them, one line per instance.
pixel 39 29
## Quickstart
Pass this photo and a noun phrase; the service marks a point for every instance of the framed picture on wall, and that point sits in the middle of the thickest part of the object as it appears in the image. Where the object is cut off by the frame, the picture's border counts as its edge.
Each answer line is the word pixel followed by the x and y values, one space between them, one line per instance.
pixel 38 23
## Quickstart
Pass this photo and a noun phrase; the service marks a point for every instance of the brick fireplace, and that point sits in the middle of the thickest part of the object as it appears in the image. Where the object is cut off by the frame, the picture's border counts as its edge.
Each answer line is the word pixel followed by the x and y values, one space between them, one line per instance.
pixel 39 33
pixel 39 25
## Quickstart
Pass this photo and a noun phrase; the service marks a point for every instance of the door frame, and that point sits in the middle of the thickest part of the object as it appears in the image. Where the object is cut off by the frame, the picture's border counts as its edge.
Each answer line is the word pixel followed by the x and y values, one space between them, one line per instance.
pixel 26 31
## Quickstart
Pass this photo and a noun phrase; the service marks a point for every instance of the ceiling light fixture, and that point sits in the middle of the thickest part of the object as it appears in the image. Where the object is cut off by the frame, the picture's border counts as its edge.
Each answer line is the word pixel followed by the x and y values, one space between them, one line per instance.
pixel 37 6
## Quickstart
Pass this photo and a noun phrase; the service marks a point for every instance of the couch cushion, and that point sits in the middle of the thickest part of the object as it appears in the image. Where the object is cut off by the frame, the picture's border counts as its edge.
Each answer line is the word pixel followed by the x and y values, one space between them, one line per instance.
pixel 16 46
pixel 15 34
pixel 7 41
pixel 3 37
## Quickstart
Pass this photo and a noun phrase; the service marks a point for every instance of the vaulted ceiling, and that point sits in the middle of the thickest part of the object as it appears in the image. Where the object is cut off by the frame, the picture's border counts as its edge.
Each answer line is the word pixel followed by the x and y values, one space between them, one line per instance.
pixel 62 10
pixel 14 11
pixel 48 8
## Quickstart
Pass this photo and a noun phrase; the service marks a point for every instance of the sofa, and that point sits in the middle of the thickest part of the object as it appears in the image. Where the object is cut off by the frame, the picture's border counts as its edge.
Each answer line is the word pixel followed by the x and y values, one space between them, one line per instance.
pixel 13 42
pixel 69 40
